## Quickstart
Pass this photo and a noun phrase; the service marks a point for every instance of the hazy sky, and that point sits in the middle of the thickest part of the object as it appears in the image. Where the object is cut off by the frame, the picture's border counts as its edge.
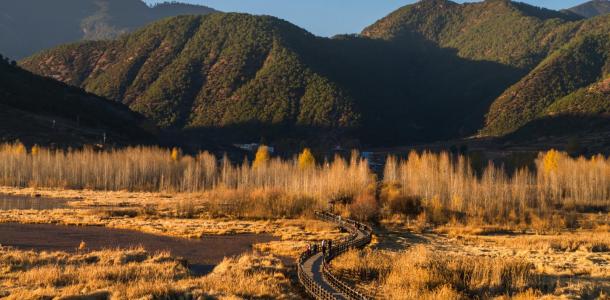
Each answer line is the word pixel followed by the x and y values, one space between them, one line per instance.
pixel 330 17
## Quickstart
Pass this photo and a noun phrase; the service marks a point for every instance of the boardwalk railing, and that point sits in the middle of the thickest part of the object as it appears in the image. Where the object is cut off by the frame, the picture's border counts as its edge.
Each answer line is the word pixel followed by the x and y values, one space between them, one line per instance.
pixel 360 235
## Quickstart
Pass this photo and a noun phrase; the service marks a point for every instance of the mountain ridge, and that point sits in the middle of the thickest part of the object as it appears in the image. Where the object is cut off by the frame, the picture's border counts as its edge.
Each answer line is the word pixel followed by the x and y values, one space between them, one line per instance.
pixel 183 74
pixel 419 74
pixel 42 111
pixel 485 30
pixel 591 8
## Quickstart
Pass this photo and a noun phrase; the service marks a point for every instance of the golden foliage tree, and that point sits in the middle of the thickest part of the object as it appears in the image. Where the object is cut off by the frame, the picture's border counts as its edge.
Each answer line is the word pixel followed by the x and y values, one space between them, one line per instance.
pixel 262 157
pixel 35 150
pixel 175 154
pixel 19 148
pixel 306 159
pixel 550 161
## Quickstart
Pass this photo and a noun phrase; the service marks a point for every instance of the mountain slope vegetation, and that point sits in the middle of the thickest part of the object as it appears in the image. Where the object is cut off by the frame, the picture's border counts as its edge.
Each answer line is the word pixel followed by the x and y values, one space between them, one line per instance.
pixel 593 99
pixel 432 70
pixel 560 51
pixel 199 72
pixel 28 26
pixel 566 82
pixel 592 8
pixel 39 110
pixel 252 73
pixel 502 31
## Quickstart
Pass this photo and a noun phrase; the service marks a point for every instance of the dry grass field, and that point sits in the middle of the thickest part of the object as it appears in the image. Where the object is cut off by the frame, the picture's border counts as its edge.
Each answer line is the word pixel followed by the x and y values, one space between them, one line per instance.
pixel 137 274
pixel 407 265
pixel 444 230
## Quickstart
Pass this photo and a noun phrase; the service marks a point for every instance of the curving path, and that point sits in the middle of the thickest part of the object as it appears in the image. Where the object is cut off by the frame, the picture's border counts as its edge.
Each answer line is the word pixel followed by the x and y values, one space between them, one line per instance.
pixel 313 270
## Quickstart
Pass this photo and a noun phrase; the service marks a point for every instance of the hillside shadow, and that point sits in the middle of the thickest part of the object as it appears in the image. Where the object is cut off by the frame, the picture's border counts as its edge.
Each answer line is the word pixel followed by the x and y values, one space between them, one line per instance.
pixel 286 135
pixel 409 89
pixel 562 126
pixel 67 115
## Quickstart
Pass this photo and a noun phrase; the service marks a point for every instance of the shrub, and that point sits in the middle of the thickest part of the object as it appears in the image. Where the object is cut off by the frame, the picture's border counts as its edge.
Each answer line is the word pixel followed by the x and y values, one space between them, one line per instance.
pixel 364 208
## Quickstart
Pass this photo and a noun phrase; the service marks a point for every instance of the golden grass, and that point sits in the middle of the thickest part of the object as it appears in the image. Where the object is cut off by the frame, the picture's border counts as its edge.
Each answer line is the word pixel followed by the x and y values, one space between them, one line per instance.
pixel 128 210
pixel 566 242
pixel 570 265
pixel 133 274
pixel 421 273
pixel 250 276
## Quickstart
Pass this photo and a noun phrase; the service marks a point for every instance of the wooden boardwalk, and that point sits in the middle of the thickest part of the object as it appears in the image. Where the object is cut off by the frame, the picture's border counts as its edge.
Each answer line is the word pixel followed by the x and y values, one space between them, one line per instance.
pixel 313 268
pixel 314 273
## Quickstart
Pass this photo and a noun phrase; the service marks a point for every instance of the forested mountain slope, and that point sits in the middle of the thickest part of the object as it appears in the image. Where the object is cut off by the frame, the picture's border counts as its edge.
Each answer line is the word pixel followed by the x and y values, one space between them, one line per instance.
pixel 253 72
pixel 502 31
pixel 566 82
pixel 426 72
pixel 39 110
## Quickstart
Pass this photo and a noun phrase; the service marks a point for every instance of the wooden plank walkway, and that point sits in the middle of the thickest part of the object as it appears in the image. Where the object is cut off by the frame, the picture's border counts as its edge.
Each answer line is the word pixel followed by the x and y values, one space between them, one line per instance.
pixel 313 268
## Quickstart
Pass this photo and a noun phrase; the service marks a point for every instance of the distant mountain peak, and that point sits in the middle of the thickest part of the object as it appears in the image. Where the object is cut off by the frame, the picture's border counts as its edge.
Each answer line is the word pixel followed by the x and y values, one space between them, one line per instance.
pixel 28 26
pixel 469 27
pixel 592 8
pixel 436 3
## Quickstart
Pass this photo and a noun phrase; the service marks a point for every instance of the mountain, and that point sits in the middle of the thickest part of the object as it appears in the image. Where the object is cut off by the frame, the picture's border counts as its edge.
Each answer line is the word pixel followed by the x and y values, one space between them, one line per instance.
pixel 220 70
pixel 592 8
pixel 510 33
pixel 564 83
pixel 558 52
pixel 28 26
pixel 42 111
pixel 429 71
pixel 256 76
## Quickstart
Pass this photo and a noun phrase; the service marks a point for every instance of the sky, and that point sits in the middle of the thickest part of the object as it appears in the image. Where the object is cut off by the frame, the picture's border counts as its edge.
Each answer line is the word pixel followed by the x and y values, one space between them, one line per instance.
pixel 331 17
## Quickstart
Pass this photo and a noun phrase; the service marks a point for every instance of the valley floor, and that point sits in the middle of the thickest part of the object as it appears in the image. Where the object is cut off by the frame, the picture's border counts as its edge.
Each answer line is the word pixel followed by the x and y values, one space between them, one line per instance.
pixel 402 263
pixel 264 272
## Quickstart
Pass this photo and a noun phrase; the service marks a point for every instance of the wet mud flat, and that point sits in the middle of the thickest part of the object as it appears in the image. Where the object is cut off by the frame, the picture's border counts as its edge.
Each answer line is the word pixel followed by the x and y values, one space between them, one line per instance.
pixel 201 254
pixel 10 202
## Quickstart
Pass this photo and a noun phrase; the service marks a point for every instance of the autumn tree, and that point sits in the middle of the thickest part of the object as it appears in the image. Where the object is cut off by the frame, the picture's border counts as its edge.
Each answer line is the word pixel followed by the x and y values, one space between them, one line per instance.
pixel 262 157
pixel 35 150
pixel 176 153
pixel 550 161
pixel 306 159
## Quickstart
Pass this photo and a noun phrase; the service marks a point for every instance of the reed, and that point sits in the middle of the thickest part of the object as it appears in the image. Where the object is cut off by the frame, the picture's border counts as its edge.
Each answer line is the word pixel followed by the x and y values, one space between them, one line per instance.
pixel 420 273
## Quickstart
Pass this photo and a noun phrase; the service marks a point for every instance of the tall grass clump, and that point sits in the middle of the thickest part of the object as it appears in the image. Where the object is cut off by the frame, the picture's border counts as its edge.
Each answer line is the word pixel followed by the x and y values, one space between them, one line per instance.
pixel 443 188
pixel 420 273
pixel 435 276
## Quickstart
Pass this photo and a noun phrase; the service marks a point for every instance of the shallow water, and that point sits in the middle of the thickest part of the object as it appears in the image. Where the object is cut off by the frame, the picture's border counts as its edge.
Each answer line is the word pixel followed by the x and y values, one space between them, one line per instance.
pixel 9 202
pixel 202 254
